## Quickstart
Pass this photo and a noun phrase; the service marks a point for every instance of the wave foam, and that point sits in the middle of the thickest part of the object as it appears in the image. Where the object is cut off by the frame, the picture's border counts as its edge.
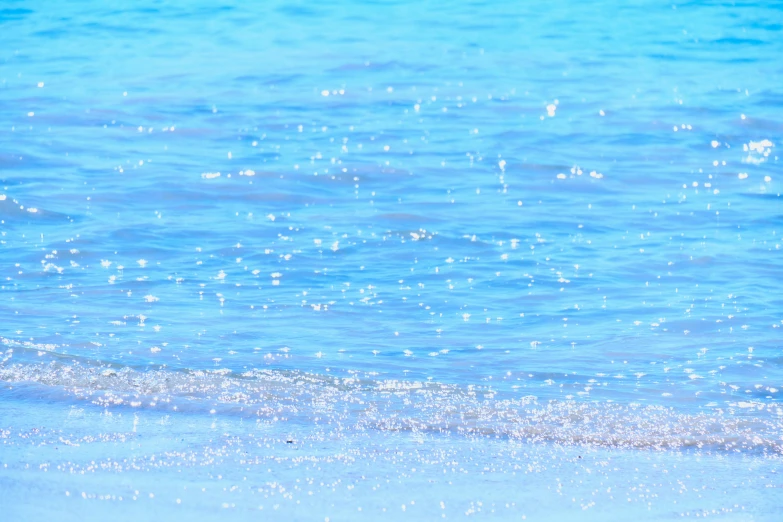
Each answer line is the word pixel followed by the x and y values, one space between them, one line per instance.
pixel 364 404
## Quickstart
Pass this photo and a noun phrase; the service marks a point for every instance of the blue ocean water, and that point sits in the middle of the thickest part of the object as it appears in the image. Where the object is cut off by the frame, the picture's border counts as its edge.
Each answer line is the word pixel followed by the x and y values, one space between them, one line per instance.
pixel 391 259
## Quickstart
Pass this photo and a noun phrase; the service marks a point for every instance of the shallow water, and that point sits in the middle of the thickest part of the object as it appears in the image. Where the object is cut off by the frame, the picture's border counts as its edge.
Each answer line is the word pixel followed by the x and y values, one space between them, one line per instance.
pixel 480 233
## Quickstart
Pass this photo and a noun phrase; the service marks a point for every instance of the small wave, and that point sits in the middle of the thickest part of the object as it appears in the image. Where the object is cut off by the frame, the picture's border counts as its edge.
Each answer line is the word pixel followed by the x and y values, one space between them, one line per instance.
pixel 386 405
pixel 12 210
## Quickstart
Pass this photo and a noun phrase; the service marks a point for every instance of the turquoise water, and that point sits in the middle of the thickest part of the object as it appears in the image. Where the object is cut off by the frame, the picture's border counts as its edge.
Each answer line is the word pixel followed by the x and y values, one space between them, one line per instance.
pixel 289 261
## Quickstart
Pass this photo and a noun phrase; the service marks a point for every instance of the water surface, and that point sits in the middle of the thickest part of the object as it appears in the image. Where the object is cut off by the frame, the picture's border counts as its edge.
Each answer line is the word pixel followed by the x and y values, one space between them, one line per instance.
pixel 374 237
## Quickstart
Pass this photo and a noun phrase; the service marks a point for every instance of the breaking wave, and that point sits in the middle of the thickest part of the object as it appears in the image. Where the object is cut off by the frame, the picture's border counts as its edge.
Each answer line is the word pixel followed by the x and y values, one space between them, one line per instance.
pixel 354 404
